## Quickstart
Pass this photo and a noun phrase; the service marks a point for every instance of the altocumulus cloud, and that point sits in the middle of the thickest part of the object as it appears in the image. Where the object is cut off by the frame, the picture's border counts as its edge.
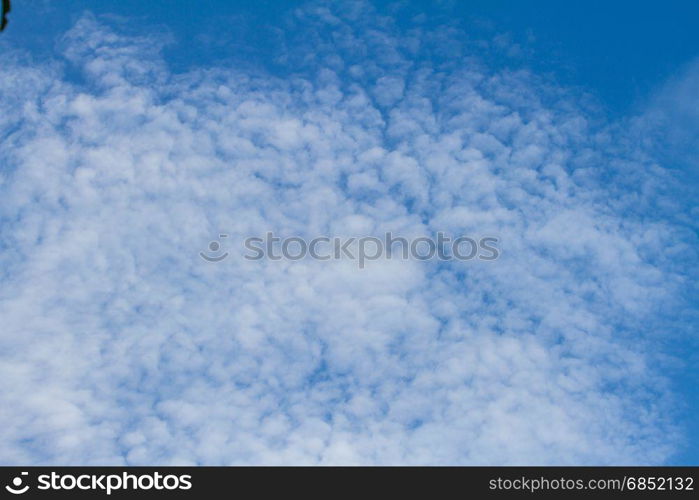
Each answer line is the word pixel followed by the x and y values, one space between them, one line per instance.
pixel 120 345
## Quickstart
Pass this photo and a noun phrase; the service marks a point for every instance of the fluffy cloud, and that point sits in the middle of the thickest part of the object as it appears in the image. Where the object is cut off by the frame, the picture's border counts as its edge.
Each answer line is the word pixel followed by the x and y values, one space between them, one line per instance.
pixel 120 345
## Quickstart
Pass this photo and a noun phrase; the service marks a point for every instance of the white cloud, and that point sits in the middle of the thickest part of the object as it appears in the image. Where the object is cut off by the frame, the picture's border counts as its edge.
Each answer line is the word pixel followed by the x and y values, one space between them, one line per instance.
pixel 120 345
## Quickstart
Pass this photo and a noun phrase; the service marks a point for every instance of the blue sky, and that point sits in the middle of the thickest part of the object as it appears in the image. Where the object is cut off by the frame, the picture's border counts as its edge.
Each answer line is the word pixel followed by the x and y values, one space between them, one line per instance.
pixel 622 52
pixel 135 132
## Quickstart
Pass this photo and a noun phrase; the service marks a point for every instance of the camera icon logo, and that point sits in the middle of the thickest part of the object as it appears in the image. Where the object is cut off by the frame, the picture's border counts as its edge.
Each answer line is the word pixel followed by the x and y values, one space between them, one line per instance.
pixel 215 247
pixel 16 487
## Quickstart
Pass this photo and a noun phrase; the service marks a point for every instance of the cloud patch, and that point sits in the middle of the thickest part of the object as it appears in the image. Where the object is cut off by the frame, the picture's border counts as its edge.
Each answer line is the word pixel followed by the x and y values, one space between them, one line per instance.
pixel 120 345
